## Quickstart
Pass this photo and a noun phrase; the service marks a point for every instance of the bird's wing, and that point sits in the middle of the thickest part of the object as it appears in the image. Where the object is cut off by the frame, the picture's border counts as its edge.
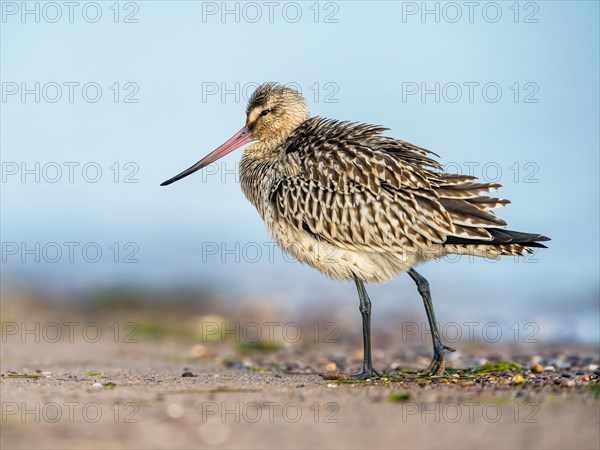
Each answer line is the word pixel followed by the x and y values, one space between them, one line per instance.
pixel 353 187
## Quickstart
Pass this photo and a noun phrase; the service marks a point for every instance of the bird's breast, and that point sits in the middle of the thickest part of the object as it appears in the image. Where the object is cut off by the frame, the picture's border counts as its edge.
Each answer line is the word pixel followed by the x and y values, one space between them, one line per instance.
pixel 257 176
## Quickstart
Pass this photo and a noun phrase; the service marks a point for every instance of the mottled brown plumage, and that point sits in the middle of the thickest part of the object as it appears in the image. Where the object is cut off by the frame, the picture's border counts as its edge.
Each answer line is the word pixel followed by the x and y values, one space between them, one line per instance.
pixel 356 204
pixel 348 200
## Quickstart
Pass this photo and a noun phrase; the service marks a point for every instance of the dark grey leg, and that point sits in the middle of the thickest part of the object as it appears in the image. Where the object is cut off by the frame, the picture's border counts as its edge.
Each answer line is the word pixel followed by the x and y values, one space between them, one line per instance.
pixel 438 363
pixel 365 309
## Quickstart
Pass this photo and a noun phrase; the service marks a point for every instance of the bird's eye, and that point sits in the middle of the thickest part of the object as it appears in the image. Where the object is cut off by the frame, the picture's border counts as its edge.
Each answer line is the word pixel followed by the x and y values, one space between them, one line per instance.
pixel 264 112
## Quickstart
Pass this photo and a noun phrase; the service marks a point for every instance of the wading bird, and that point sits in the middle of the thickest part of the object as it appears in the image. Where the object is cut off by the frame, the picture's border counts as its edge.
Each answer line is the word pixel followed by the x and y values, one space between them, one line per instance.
pixel 358 205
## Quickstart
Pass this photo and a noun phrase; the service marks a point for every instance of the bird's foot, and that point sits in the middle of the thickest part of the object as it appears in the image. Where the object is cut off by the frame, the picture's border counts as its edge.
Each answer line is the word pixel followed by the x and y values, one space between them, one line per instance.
pixel 437 366
pixel 365 374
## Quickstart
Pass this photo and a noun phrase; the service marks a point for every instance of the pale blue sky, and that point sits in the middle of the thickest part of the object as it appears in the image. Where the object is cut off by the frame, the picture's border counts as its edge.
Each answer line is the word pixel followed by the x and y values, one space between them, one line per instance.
pixel 364 61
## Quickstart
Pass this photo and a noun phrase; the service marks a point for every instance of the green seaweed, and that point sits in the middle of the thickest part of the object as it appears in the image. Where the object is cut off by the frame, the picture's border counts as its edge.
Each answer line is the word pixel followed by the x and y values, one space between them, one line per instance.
pixel 500 366
pixel 257 347
pixel 154 329
pixel 347 381
pixel 595 388
pixel 220 389
pixel 23 375
pixel 398 397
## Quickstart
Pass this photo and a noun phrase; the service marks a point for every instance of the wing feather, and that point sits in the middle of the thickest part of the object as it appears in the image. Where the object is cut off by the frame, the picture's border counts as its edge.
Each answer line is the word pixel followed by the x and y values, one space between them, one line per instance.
pixel 360 190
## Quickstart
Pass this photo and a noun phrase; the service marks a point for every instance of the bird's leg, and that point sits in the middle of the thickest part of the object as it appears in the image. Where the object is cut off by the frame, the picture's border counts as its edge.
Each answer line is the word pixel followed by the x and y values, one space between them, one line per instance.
pixel 365 309
pixel 438 363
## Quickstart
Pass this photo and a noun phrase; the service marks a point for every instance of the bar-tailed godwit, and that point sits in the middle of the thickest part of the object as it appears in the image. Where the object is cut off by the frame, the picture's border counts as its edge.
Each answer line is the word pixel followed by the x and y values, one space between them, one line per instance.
pixel 358 205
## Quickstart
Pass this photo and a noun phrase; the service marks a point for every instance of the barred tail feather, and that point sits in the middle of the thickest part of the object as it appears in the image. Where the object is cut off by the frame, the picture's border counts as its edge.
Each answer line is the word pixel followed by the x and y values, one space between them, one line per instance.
pixel 503 238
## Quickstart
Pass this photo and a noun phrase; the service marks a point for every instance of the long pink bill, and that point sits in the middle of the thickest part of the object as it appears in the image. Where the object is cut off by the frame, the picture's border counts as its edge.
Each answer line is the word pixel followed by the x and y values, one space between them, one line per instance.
pixel 240 138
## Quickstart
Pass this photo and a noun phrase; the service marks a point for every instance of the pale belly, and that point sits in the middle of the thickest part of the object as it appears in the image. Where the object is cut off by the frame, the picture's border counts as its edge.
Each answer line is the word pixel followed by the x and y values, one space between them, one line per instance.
pixel 339 263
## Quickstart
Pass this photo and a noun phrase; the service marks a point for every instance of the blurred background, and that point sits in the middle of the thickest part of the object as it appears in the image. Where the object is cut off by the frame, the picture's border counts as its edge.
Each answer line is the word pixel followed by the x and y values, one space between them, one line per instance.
pixel 102 103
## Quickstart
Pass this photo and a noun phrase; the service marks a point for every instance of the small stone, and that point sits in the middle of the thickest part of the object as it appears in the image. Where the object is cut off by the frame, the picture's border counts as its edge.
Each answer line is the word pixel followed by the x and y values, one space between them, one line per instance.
pixel 567 383
pixel 175 410
pixel 335 376
pixel 519 379
pixel 188 374
pixel 549 369
pixel 331 385
pixel 585 378
pixel 97 385
pixel 331 367
pixel 299 385
pixel 201 351
pixel 537 368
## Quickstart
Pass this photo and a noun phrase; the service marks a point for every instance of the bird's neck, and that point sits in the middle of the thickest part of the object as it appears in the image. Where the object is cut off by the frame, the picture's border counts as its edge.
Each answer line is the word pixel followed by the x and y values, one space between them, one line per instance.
pixel 258 172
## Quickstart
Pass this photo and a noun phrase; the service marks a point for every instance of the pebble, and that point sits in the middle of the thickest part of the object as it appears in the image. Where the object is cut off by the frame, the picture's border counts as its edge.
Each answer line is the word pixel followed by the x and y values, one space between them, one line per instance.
pixel 201 351
pixel 537 368
pixel 97 385
pixel 549 369
pixel 175 410
pixel 188 374
pixel 518 379
pixel 567 383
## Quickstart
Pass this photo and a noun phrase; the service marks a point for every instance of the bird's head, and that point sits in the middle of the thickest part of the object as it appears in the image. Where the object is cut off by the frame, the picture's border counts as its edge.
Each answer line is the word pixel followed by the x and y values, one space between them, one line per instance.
pixel 273 113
